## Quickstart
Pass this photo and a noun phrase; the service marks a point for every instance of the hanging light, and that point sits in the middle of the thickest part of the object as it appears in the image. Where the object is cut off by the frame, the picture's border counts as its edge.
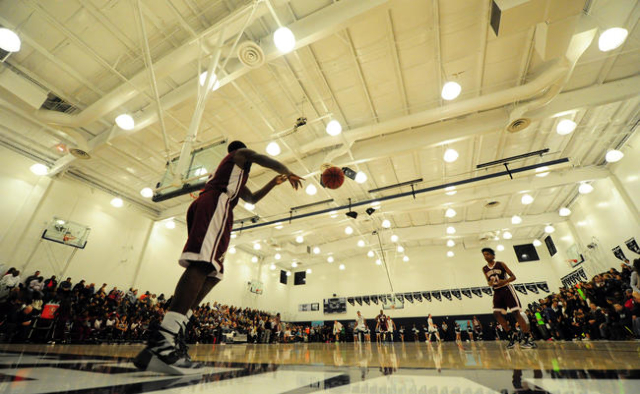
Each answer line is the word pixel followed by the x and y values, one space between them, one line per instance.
pixel 311 189
pixel 341 267
pixel 334 128
pixel 203 79
pixel 450 212
pixel 386 223
pixel 613 156
pixel 549 229
pixel 450 155
pixel 117 202
pixel 361 243
pixel 277 256
pixel 612 38
pixel 451 90
pixel 451 243
pixel 330 259
pixel 309 271
pixel 299 239
pixel 564 211
pixel 333 214
pixel 316 250
pixel 515 219
pixel 507 235
pixel 39 169
pixel 370 253
pixel 125 122
pixel 257 246
pixel 450 253
pixel 526 199
pixel 232 250
pixel 361 177
pixel 405 259
pixel 249 207
pixel 272 267
pixel 585 188
pixel 348 230
pixel 451 230
pixel 536 242
pixel 294 264
pixel 284 39
pixel 273 148
pixel 146 192
pixel 288 273
pixel 254 259
pixel 400 249
pixel 565 126
pixel 500 248
pixel 394 238
pixel 378 262
pixel 9 41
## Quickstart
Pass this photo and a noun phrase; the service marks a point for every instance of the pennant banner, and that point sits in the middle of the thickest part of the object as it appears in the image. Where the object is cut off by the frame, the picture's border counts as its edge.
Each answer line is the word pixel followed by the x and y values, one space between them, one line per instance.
pixel 520 288
pixel 383 298
pixel 436 295
pixel 351 301
pixel 632 245
pixel 417 296
pixel 446 294
pixel 408 297
pixel 487 290
pixel 543 286
pixel 477 291
pixel 399 297
pixel 366 300
pixel 531 287
pixel 467 293
pixel 583 275
pixel 617 251
pixel 426 295
pixel 456 293
pixel 359 300
pixel 374 299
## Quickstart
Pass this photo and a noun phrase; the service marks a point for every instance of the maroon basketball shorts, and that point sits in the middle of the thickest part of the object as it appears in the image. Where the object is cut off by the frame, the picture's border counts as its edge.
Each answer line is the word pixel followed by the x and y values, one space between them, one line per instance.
pixel 209 223
pixel 506 300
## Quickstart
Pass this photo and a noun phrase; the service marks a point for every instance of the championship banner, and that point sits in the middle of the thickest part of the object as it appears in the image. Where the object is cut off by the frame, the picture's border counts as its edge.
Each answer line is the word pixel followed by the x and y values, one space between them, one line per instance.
pixel 467 293
pixel 520 288
pixel 359 300
pixel 426 295
pixel 477 291
pixel 487 290
pixel 436 295
pixel 383 298
pixel 408 297
pixel 366 300
pixel 531 287
pixel 456 293
pixel 632 245
pixel 400 297
pixel 351 301
pixel 543 286
pixel 446 294
pixel 374 299
pixel 417 296
pixel 583 275
pixel 617 251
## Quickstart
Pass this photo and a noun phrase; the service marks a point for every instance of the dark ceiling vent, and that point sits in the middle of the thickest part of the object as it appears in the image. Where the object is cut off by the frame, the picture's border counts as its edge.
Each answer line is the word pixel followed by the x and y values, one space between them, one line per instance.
pixel 80 154
pixel 518 125
pixel 55 103
pixel 492 204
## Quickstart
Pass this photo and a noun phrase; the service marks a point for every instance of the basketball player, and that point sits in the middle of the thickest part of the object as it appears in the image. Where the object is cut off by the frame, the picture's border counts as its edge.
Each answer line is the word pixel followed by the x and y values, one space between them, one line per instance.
pixel 382 325
pixel 458 332
pixel 401 332
pixel 361 327
pixel 391 326
pixel 337 329
pixel 505 299
pixel 209 223
pixel 433 329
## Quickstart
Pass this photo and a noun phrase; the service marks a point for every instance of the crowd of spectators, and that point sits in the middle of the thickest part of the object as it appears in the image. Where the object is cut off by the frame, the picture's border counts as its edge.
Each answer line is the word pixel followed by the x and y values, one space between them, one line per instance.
pixel 84 313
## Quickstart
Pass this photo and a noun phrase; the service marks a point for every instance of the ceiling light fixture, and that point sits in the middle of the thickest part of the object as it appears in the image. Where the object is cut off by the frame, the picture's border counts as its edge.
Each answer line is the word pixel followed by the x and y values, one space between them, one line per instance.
pixel 257 246
pixel 309 271
pixel 294 264
pixel 450 212
pixel 334 128
pixel 249 207
pixel 9 41
pixel 234 235
pixel 549 229
pixel 451 243
pixel 125 122
pixel 316 250
pixel 612 38
pixel 565 126
pixel 311 189
pixel 341 267
pixel 117 202
pixel 536 242
pixel 272 267
pixel 515 219
pixel 299 239
pixel 279 226
pixel 330 259
pixel 613 156
pixel 147 192
pixel 288 273
pixel 333 214
pixel 405 259
pixel 451 230
pixel 541 172
pixel 526 199
pixel 507 235
pixel 284 39
pixel 361 243
pixel 361 177
pixel 39 169
pixel 170 224
pixel 273 148
pixel 585 188
pixel 203 79
pixel 450 155
pixel 370 253
pixel 400 249
pixel 394 238
pixel 348 230
pixel 450 253
pixel 386 223
pixel 451 90
pixel 378 262
pixel 277 256
pixel 254 259
pixel 500 248
pixel 564 211
pixel 232 250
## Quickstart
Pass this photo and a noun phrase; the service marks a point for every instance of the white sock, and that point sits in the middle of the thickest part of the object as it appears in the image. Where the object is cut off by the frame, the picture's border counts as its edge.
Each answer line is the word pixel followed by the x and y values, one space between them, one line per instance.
pixel 172 322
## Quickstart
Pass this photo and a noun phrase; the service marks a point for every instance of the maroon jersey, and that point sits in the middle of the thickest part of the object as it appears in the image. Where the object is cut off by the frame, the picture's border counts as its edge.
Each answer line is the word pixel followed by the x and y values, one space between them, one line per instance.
pixel 495 273
pixel 229 179
pixel 382 320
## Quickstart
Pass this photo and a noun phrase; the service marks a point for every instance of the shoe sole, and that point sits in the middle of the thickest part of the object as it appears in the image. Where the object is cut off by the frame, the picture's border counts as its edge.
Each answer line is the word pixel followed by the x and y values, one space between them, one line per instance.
pixel 157 365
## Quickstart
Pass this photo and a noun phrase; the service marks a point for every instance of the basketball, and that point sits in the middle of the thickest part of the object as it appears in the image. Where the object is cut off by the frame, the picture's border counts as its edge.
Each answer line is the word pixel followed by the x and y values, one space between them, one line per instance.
pixel 332 177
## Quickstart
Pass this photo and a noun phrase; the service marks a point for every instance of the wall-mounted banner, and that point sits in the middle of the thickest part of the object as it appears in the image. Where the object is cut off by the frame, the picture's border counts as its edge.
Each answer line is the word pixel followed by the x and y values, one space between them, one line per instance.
pixel 477 291
pixel 456 293
pixel 583 275
pixel 417 296
pixel 573 278
pixel 531 287
pixel 366 300
pixel 374 299
pixel 520 288
pixel 315 307
pixel 359 300
pixel 351 301
pixel 467 293
pixel 487 290
pixel 426 295
pixel 304 307
pixel 382 298
pixel 400 297
pixel 632 245
pixel 436 295
pixel 446 294
pixel 617 251
pixel 408 297
pixel 543 286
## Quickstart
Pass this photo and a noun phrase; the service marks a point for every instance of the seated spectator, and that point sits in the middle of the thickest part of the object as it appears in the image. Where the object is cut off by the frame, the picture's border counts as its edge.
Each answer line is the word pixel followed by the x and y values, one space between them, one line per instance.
pixel 50 284
pixel 31 277
pixel 9 282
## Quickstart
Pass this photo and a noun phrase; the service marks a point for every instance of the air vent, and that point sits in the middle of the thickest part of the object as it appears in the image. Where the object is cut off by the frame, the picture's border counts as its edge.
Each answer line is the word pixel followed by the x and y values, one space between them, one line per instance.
pixel 492 204
pixel 519 125
pixel 55 103
pixel 80 154
pixel 250 54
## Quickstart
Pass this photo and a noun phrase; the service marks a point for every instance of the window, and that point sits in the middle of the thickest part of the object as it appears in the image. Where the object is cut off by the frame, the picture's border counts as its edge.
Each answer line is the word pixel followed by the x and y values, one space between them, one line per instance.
pixel 300 278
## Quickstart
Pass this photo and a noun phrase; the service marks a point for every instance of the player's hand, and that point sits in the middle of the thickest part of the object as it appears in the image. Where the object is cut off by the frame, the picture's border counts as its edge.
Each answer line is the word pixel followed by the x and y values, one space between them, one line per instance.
pixel 295 181
pixel 278 180
pixel 500 283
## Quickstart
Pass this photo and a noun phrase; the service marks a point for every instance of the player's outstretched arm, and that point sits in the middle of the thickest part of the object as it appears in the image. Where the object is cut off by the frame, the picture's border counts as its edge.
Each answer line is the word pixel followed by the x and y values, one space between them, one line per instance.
pixel 250 197
pixel 244 156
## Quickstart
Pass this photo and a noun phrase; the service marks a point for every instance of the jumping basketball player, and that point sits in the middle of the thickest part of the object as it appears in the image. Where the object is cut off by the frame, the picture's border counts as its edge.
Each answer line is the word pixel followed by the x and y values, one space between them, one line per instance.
pixel 505 299
pixel 209 223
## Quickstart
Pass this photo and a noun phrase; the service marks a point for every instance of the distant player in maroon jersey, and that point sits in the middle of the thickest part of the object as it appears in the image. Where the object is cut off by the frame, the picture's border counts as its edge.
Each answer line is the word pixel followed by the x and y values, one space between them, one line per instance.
pixel 209 223
pixel 505 299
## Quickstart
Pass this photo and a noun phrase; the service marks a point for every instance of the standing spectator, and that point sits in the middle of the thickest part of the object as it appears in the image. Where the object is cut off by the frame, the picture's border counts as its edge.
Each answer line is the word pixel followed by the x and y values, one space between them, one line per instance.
pixel 634 280
pixel 31 277
pixel 8 283
pixel 65 287
pixel 79 286
pixel 50 284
